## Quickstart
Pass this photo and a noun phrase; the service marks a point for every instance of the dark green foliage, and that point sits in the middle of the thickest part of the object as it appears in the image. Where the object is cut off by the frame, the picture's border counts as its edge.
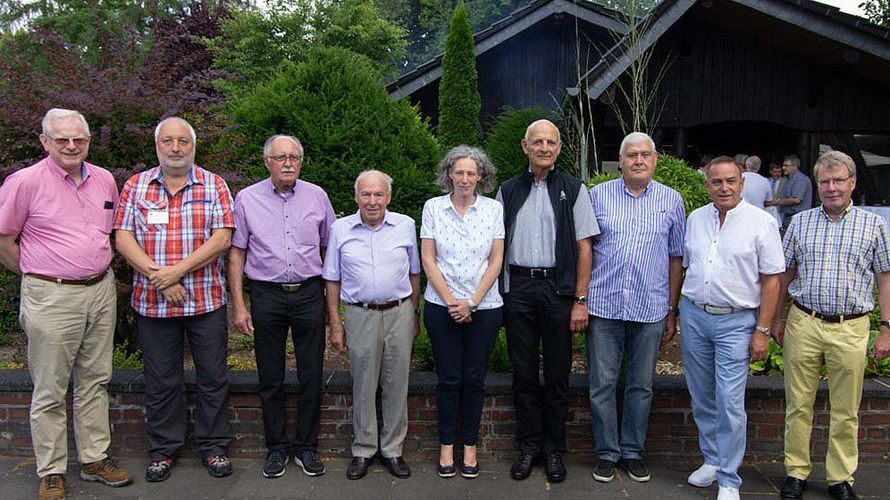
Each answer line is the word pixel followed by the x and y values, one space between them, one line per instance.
pixel 334 103
pixel 459 101
pixel 877 11
pixel 499 361
pixel 122 358
pixel 503 143
pixel 9 308
pixel 674 173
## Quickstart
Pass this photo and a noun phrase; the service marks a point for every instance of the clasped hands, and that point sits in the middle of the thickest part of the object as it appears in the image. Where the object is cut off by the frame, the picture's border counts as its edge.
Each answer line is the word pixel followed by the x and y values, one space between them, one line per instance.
pixel 460 312
pixel 166 279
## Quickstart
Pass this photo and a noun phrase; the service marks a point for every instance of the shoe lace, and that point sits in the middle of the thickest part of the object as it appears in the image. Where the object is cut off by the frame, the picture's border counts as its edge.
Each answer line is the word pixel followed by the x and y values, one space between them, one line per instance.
pixel 161 464
pixel 53 482
pixel 110 465
pixel 310 457
pixel 277 456
pixel 217 460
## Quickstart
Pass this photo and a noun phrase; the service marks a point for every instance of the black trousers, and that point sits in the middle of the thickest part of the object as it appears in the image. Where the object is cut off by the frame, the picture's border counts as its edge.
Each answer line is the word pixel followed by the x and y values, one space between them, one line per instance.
pixel 537 318
pixel 274 311
pixel 162 343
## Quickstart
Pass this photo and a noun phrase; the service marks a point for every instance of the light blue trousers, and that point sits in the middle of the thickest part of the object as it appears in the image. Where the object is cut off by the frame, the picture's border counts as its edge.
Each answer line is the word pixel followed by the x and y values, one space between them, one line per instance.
pixel 715 362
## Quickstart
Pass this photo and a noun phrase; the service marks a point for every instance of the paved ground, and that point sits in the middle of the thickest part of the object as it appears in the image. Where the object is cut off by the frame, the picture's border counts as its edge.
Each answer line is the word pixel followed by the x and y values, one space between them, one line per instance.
pixel 190 481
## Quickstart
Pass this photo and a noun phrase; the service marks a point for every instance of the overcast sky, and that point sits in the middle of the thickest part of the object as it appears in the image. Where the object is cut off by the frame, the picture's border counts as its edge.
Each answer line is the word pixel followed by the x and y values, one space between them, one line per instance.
pixel 848 6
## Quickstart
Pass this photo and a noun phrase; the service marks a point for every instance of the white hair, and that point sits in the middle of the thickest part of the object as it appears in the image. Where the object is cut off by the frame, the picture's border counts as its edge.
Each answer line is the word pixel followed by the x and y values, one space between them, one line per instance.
pixel 635 138
pixel 180 120
pixel 59 114
pixel 367 173
pixel 752 164
pixel 267 147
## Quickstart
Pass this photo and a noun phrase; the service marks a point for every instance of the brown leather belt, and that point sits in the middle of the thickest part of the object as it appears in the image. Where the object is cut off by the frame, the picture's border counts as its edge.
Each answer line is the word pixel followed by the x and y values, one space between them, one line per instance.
pixel 92 280
pixel 380 306
pixel 826 318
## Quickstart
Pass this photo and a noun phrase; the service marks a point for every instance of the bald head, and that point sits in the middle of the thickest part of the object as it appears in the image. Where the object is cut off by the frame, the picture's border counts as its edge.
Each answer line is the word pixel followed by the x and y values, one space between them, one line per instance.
pixel 541 125
pixel 542 146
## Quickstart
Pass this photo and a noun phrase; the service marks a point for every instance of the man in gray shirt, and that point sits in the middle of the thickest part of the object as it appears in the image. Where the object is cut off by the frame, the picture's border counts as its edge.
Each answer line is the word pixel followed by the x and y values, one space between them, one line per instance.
pixel 797 195
pixel 548 223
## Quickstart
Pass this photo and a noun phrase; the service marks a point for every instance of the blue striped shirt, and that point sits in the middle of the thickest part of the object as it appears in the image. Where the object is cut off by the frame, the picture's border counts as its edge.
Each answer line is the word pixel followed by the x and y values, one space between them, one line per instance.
pixel 836 261
pixel 629 279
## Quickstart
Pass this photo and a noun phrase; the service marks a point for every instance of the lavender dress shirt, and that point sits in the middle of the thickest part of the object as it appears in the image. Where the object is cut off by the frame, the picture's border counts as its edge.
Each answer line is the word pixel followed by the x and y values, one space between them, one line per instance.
pixel 283 233
pixel 372 265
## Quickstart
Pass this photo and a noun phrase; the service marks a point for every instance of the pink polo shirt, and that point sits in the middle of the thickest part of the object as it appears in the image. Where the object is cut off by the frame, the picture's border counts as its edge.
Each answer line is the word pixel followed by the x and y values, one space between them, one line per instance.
pixel 64 230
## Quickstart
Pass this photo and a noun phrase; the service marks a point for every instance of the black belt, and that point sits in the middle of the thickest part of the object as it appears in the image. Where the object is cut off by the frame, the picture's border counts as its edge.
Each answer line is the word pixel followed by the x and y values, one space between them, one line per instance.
pixel 290 287
pixel 533 272
pixel 826 318
pixel 92 280
pixel 380 306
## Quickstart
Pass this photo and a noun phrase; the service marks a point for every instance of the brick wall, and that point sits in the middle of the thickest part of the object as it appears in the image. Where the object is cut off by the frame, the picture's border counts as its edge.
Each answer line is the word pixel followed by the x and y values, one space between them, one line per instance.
pixel 672 432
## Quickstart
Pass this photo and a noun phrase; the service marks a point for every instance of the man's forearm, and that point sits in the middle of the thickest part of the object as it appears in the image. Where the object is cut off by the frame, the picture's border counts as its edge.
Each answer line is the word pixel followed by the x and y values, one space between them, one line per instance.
pixel 583 267
pixel 675 280
pixel 415 290
pixel 9 253
pixel 769 294
pixel 332 299
pixel 236 276
pixel 129 248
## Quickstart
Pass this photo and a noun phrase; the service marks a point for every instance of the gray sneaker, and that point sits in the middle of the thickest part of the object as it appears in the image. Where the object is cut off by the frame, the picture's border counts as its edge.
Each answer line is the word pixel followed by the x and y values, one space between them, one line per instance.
pixel 636 469
pixel 275 464
pixel 309 462
pixel 604 471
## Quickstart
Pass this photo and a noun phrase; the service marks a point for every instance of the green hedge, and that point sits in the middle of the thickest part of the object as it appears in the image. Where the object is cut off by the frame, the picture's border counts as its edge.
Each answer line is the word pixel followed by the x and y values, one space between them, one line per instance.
pixel 674 173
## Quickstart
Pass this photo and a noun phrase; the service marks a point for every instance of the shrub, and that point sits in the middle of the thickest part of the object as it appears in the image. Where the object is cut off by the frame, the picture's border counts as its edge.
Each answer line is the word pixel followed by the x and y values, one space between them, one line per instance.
pixel 334 103
pixel 503 143
pixel 9 308
pixel 123 359
pixel 459 101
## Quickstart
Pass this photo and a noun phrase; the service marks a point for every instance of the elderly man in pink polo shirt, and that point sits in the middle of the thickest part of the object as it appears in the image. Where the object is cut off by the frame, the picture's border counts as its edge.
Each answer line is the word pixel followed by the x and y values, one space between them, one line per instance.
pixel 60 210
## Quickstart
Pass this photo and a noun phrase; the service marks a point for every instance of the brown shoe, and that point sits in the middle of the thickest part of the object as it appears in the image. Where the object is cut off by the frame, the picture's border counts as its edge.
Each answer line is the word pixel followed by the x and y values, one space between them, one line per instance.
pixel 52 487
pixel 106 471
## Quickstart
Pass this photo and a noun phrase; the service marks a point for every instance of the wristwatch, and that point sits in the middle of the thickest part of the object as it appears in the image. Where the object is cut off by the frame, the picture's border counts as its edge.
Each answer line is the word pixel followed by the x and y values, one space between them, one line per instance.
pixel 674 309
pixel 763 329
pixel 473 306
pixel 885 323
pixel 581 299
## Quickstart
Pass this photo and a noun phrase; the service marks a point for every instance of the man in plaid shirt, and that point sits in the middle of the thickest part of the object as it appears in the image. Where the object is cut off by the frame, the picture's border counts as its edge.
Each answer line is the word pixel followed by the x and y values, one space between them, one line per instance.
pixel 173 225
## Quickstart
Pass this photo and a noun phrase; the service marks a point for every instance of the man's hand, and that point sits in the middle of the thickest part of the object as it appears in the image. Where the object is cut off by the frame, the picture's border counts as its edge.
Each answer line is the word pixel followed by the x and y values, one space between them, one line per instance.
pixel 759 346
pixel 882 344
pixel 338 335
pixel 670 328
pixel 778 331
pixel 578 317
pixel 243 321
pixel 162 277
pixel 175 294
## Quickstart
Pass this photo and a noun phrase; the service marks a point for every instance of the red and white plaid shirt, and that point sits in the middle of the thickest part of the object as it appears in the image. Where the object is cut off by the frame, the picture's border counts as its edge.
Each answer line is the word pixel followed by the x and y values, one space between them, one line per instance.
pixel 203 205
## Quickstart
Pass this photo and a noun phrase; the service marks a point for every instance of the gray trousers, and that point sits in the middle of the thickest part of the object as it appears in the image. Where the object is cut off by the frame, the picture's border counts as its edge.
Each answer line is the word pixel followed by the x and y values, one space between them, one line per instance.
pixel 379 345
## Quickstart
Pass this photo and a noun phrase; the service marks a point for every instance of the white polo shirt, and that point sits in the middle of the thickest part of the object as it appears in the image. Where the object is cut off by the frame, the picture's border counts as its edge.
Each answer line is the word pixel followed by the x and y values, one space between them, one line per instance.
pixel 724 264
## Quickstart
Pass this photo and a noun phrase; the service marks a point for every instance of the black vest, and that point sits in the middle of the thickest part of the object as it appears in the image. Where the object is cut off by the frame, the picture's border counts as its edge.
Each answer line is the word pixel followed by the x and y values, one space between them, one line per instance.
pixel 563 190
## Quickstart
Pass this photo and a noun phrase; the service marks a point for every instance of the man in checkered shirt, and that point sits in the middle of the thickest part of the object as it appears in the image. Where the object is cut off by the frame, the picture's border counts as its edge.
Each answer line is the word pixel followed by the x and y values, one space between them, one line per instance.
pixel 173 225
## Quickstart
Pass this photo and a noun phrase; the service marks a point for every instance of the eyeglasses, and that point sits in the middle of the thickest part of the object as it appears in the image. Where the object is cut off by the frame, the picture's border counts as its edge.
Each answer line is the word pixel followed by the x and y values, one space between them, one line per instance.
pixel 837 181
pixel 64 141
pixel 283 158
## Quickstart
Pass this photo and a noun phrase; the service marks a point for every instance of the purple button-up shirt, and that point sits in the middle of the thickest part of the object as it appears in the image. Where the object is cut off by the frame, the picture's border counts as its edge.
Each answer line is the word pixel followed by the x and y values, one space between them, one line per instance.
pixel 372 265
pixel 282 232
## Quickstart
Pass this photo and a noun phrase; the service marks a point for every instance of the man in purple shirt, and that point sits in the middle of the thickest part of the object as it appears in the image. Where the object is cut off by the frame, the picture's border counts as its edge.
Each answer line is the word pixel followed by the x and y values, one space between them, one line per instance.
pixel 372 265
pixel 281 229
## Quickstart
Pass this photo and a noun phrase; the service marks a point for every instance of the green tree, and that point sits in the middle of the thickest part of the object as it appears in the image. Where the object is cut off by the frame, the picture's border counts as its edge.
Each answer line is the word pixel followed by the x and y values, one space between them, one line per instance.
pixel 334 103
pixel 877 11
pixel 459 101
pixel 255 42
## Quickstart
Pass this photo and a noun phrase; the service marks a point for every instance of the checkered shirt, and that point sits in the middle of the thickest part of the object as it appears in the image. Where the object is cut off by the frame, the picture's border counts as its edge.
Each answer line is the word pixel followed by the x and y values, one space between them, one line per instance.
pixel 203 205
pixel 836 261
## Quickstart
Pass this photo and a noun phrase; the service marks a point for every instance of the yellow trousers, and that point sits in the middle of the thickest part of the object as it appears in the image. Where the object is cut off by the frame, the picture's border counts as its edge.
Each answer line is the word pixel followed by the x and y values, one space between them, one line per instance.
pixel 843 346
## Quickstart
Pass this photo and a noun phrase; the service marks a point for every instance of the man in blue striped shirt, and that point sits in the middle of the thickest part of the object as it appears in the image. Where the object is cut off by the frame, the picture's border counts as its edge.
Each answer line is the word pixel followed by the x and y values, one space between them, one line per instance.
pixel 634 291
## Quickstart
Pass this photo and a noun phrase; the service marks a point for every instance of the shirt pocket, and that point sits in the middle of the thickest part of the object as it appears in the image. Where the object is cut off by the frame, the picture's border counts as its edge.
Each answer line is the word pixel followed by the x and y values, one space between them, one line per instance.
pixel 197 215
pixel 143 208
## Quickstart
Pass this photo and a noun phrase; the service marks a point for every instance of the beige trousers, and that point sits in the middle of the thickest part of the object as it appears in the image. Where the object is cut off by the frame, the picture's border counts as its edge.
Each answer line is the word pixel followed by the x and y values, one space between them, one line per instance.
pixel 70 330
pixel 379 345
pixel 843 346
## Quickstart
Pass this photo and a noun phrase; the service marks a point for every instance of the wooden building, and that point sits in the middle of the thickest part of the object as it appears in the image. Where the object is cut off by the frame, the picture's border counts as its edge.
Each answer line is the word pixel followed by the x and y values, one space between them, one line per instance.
pixel 766 77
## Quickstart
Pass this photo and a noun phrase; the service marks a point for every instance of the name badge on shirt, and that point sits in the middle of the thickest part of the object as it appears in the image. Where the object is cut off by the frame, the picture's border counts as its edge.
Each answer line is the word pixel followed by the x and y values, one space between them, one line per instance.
pixel 158 217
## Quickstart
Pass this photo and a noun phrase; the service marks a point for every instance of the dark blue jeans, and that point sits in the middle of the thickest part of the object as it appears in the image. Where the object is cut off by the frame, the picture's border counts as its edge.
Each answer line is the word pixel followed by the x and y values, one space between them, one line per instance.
pixel 461 353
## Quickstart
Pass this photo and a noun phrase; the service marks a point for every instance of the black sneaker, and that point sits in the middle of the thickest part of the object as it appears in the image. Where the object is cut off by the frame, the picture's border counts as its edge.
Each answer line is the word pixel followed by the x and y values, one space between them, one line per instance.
pixel 636 469
pixel 275 464
pixel 604 471
pixel 218 465
pixel 158 470
pixel 309 462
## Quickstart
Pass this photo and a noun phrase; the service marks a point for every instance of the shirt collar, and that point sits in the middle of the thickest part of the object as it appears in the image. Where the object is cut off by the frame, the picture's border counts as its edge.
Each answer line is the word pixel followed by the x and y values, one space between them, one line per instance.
pixel 732 211
pixel 55 168
pixel 275 191
pixel 356 220
pixel 473 206
pixel 642 194
pixel 843 214
pixel 194 176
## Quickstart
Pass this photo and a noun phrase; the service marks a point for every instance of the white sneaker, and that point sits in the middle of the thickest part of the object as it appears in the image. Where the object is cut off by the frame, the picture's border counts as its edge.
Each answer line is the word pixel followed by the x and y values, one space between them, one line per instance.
pixel 727 493
pixel 704 476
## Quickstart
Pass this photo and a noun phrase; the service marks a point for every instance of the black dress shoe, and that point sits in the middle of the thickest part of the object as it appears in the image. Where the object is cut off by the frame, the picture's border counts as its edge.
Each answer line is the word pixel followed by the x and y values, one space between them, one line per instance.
pixel 842 491
pixel 556 470
pixel 358 468
pixel 397 466
pixel 522 467
pixel 792 488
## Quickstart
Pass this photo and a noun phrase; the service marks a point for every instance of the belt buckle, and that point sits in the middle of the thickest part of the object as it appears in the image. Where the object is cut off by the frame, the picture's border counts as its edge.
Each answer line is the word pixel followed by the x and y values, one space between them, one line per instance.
pixel 291 287
pixel 538 273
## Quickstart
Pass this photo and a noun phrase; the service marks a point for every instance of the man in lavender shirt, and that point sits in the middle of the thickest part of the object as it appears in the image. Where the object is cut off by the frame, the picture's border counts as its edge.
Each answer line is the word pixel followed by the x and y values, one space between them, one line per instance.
pixel 372 265
pixel 281 230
